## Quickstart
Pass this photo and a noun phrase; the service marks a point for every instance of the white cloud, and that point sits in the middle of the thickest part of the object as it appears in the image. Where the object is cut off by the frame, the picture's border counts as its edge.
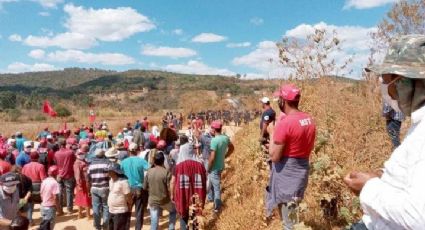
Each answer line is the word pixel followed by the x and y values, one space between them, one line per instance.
pixel 354 41
pixel 44 13
pixel 256 21
pixel 37 53
pixel 15 38
pixel 89 58
pixel 66 40
pixel 178 31
pixel 208 38
pixel 238 45
pixel 263 58
pixel 366 4
pixel 49 3
pixel 19 67
pixel 164 51
pixel 106 24
pixel 5 1
pixel 197 67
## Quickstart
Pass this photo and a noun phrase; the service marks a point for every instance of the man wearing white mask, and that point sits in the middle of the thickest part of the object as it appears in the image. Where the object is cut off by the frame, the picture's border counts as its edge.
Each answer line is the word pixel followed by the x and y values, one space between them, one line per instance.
pixel 392 113
pixel 9 199
pixel 394 198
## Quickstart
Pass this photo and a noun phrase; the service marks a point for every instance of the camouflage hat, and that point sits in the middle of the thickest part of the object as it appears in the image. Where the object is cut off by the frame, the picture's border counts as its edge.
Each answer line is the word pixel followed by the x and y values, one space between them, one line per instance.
pixel 405 57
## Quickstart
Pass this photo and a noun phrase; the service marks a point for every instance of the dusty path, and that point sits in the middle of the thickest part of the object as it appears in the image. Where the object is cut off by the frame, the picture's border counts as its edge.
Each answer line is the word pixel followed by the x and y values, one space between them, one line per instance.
pixel 71 221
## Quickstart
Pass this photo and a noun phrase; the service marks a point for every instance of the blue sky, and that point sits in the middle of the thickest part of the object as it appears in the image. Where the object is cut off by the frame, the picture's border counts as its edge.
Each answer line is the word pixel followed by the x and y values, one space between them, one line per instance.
pixel 188 36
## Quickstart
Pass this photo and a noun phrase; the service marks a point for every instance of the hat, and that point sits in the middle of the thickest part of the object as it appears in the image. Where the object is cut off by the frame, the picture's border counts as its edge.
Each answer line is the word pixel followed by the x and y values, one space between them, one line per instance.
pixel 216 124
pixel 3 153
pixel 265 100
pixel 161 144
pixel 99 152
pixel 9 179
pixel 49 136
pixel 132 147
pixel 112 152
pixel 288 92
pixel 53 170
pixel 18 133
pixel 27 144
pixel 115 168
pixel 405 57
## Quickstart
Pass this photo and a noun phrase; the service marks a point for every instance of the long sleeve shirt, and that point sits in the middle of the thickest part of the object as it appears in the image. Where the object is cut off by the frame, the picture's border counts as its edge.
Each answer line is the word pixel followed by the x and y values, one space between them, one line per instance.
pixel 397 200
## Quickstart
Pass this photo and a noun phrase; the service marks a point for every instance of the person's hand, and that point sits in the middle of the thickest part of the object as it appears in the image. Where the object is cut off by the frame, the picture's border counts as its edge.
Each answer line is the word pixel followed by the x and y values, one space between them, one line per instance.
pixel 356 180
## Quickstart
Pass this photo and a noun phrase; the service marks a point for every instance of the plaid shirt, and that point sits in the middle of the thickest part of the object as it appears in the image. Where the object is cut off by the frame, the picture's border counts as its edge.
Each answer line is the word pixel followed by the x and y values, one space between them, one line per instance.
pixel 388 111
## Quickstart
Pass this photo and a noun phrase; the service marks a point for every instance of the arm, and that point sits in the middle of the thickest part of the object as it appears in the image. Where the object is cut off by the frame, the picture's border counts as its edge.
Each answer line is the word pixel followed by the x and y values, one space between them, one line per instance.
pixel 401 208
pixel 172 186
pixel 275 151
pixel 230 148
pixel 211 160
pixel 5 222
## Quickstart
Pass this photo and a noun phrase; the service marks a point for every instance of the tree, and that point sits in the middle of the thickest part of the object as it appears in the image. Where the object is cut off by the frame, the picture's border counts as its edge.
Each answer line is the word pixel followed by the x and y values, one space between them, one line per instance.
pixel 405 17
pixel 314 56
pixel 62 111
pixel 7 100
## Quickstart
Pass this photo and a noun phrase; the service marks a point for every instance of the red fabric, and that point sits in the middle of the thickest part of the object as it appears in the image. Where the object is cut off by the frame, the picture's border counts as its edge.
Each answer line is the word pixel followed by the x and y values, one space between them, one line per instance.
pixel 296 132
pixel 65 159
pixel 92 116
pixel 183 195
pixel 5 167
pixel 48 109
pixel 35 171
pixel 145 124
pixel 82 198
pixel 154 139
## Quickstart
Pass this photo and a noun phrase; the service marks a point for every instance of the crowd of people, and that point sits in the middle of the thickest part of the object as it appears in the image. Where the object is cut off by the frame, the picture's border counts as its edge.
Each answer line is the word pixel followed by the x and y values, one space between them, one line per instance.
pixel 106 177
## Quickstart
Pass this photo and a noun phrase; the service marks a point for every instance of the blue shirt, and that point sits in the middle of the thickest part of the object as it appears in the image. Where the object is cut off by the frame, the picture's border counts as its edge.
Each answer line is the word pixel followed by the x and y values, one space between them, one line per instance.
pixel 205 145
pixel 387 110
pixel 268 116
pixel 20 143
pixel 134 168
pixel 22 159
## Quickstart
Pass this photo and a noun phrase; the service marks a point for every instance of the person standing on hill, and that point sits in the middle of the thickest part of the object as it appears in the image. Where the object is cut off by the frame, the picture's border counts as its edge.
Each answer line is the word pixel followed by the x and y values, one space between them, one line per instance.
pixel 393 198
pixel 268 117
pixel 290 148
pixel 220 146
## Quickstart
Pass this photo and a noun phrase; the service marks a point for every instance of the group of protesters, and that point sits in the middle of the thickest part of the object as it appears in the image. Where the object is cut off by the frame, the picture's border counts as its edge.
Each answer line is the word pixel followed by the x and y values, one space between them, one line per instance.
pixel 90 168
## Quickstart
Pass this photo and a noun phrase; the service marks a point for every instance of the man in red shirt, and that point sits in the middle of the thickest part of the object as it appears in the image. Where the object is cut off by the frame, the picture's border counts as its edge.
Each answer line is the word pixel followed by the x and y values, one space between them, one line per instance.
pixel 290 148
pixel 65 159
pixel 5 166
pixel 34 170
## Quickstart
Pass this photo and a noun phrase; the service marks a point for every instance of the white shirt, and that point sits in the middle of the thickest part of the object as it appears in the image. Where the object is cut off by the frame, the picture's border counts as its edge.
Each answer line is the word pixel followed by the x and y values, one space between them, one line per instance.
pixel 397 199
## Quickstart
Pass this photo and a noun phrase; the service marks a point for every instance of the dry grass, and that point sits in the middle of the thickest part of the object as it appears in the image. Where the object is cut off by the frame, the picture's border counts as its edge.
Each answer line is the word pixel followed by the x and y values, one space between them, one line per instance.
pixel 350 136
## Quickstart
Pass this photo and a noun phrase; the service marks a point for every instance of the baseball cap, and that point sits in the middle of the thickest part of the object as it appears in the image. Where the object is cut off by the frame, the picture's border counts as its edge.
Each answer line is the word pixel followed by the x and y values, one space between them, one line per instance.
pixel 132 147
pixel 34 154
pixel 9 179
pixel 99 152
pixel 49 136
pixel 265 100
pixel 288 92
pixel 53 170
pixel 27 144
pixel 112 152
pixel 216 124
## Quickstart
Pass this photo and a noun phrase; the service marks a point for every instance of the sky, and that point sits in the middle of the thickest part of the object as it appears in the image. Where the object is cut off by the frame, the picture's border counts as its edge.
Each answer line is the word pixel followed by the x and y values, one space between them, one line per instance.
pixel 225 37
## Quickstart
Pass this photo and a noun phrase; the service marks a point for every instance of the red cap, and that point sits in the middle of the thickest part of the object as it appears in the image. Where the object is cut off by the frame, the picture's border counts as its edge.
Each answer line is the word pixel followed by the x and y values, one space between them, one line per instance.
pixel 288 92
pixel 3 153
pixel 216 124
pixel 53 170
pixel 161 144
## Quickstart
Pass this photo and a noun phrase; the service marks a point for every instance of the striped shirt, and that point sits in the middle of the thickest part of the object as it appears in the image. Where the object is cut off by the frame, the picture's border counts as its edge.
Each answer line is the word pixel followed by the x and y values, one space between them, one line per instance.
pixel 98 173
pixel 387 110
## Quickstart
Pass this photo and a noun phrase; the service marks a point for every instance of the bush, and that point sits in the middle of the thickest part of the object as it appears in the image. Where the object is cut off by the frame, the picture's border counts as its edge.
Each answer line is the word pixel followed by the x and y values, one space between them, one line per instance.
pixel 39 117
pixel 13 114
pixel 62 111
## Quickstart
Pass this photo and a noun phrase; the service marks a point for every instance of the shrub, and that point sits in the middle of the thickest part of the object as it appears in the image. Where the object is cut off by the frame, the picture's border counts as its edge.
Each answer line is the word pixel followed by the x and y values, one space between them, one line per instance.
pixel 62 111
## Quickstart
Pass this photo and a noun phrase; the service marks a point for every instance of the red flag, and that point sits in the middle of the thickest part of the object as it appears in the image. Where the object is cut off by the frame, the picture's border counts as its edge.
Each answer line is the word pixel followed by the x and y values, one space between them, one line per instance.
pixel 48 109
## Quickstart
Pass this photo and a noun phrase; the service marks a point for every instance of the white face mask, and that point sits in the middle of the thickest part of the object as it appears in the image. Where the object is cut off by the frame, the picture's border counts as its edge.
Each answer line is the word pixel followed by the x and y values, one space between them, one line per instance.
pixel 387 98
pixel 9 189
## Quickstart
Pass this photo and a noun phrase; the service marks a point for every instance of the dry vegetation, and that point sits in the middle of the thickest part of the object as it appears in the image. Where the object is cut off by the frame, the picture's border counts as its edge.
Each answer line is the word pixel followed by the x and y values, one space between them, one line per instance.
pixel 351 136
